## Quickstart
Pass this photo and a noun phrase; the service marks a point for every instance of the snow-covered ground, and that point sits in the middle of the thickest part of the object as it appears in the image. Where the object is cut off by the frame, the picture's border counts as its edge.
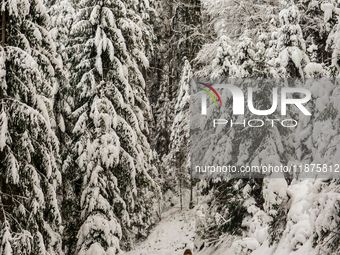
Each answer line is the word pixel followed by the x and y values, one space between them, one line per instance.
pixel 307 213
pixel 174 233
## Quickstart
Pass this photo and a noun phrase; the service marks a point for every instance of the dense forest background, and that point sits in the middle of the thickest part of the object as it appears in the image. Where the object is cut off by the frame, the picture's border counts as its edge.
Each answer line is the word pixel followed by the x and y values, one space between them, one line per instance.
pixel 94 122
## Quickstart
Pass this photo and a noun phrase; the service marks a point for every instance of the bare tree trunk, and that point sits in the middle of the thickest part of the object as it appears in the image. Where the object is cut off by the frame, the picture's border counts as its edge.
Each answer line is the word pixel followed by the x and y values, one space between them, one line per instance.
pixel 160 210
pixel 180 190
pixel 3 28
pixel 191 203
pixel 144 73
pixel 3 38
pixel 179 162
pixel 171 12
pixel 2 153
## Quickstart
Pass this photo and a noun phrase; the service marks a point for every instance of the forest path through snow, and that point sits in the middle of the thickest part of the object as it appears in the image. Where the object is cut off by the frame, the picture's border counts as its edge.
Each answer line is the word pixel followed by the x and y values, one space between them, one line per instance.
pixel 171 236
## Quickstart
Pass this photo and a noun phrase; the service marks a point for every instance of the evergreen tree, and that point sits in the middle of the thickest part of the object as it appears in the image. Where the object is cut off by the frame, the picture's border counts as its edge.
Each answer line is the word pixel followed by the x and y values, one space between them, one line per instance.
pixel 314 69
pixel 163 114
pixel 244 58
pixel 113 154
pixel 180 128
pixel 292 57
pixel 62 15
pixel 186 24
pixel 29 149
pixel 179 35
pixel 261 66
pixel 222 65
pixel 315 26
pixel 160 92
pixel 178 159
pixel 333 39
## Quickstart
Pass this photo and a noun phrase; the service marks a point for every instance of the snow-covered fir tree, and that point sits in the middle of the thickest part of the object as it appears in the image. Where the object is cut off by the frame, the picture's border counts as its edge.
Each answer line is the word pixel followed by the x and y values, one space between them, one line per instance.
pixel 177 162
pixel 292 57
pixel 111 125
pixel 178 31
pixel 222 65
pixel 62 13
pixel 180 127
pixel 160 80
pixel 186 24
pixel 178 35
pixel 163 114
pixel 314 26
pixel 29 149
pixel 333 38
pixel 244 58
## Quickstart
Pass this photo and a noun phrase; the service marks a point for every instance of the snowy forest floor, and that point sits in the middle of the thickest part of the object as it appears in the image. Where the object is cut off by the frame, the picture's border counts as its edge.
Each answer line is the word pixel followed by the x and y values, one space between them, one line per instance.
pixel 173 234
pixel 177 229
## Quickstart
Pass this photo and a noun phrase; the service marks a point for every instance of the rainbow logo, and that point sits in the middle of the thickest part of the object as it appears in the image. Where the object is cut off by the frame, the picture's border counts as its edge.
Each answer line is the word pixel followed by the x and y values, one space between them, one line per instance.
pixel 208 86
